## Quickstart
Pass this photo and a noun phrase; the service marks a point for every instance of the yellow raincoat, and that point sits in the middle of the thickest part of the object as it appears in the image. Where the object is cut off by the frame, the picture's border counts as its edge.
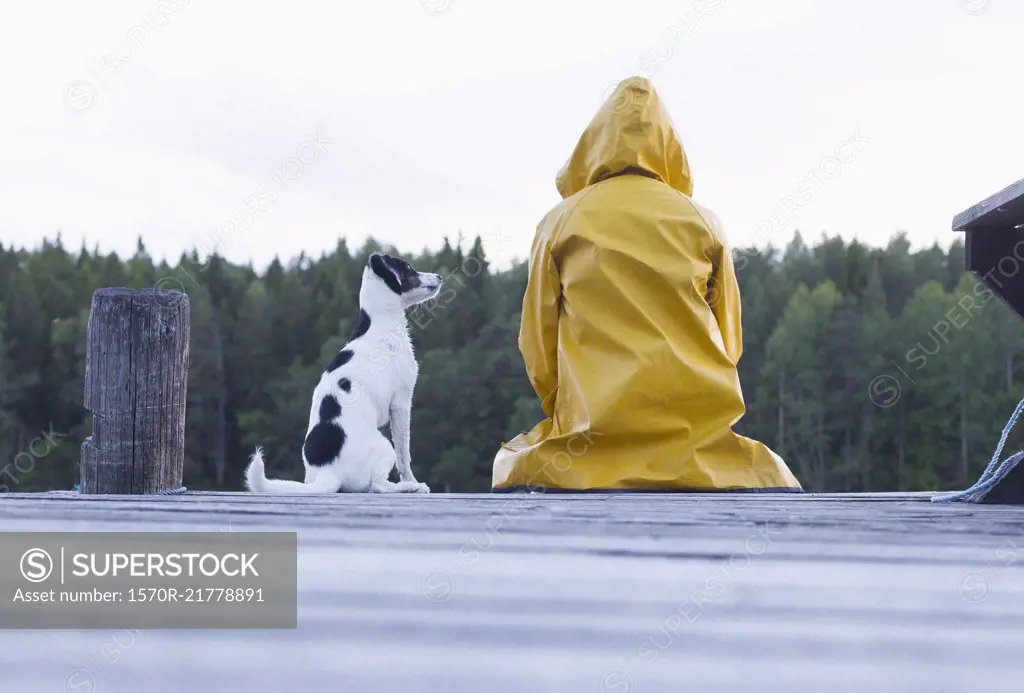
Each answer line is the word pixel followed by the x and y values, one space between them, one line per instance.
pixel 631 325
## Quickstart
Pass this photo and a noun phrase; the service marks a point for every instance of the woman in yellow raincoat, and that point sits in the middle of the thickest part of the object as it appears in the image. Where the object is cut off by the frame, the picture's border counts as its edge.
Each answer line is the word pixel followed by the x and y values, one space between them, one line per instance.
pixel 631 325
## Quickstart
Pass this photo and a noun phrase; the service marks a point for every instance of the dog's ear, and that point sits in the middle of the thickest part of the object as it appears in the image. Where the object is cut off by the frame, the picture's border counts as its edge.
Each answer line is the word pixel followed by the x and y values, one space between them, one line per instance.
pixel 382 266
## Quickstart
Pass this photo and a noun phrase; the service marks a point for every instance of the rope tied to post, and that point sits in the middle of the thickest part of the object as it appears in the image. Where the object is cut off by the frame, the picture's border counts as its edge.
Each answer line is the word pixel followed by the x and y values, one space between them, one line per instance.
pixel 165 492
pixel 995 472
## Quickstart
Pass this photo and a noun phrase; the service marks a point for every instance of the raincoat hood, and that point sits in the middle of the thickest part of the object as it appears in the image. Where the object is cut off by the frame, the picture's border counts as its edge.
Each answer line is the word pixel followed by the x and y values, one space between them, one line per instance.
pixel 632 132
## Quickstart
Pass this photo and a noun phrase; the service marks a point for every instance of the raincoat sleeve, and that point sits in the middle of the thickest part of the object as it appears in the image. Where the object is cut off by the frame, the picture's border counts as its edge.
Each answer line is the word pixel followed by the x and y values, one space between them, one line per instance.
pixel 724 297
pixel 538 331
pixel 726 303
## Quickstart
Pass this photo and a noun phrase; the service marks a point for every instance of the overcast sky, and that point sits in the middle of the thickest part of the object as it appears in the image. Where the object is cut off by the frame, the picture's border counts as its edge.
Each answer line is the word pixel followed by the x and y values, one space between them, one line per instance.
pixel 407 120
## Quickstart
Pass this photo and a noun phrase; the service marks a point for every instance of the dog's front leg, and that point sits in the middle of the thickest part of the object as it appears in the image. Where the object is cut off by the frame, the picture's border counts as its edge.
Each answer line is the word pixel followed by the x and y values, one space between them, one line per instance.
pixel 401 413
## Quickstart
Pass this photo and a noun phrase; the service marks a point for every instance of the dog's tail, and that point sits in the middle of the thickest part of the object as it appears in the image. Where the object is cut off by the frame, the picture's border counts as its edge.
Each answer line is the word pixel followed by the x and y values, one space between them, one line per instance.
pixel 257 482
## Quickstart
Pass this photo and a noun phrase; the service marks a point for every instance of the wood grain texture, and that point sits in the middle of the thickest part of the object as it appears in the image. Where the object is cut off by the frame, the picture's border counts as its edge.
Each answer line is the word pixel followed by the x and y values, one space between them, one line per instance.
pixel 994 243
pixel 1009 490
pixel 587 593
pixel 1003 209
pixel 135 387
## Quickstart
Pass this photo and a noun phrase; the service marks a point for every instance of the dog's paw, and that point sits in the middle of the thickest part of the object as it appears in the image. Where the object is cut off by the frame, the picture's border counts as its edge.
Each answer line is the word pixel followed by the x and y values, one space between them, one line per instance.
pixel 422 488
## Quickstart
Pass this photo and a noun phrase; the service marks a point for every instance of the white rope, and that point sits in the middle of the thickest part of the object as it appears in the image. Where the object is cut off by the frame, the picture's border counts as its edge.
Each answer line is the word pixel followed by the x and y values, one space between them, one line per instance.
pixel 995 472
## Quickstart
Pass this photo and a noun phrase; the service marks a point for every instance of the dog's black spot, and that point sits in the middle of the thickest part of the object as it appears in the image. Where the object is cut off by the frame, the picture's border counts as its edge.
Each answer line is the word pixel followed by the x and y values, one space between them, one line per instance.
pixel 329 408
pixel 345 384
pixel 323 444
pixel 381 268
pixel 396 273
pixel 362 327
pixel 339 360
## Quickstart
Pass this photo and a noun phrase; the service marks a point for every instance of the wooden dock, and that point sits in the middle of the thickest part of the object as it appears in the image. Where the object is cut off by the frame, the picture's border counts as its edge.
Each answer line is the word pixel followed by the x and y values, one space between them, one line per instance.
pixel 587 593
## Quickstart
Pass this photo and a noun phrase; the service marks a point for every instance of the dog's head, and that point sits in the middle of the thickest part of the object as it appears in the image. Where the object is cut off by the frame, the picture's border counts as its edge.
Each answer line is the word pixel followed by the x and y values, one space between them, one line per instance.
pixel 411 287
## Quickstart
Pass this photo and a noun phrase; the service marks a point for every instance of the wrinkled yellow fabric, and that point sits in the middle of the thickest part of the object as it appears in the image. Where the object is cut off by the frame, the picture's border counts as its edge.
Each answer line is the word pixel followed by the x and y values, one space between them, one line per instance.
pixel 631 324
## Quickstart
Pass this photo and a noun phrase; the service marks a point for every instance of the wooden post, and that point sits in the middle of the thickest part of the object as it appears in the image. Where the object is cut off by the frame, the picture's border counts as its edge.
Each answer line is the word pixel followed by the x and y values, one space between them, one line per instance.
pixel 135 385
pixel 994 251
pixel 994 243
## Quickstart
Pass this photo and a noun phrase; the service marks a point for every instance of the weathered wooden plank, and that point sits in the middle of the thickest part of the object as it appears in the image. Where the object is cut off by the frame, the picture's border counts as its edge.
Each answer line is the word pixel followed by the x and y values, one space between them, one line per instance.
pixel 135 386
pixel 1003 209
pixel 609 594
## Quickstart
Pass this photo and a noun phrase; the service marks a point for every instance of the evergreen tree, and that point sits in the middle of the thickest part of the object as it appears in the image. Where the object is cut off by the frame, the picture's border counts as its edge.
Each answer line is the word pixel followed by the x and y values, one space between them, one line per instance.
pixel 821 322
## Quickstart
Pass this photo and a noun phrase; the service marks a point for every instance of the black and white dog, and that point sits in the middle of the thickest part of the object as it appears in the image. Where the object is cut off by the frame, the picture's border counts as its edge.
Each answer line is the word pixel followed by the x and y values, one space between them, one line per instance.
pixel 368 384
